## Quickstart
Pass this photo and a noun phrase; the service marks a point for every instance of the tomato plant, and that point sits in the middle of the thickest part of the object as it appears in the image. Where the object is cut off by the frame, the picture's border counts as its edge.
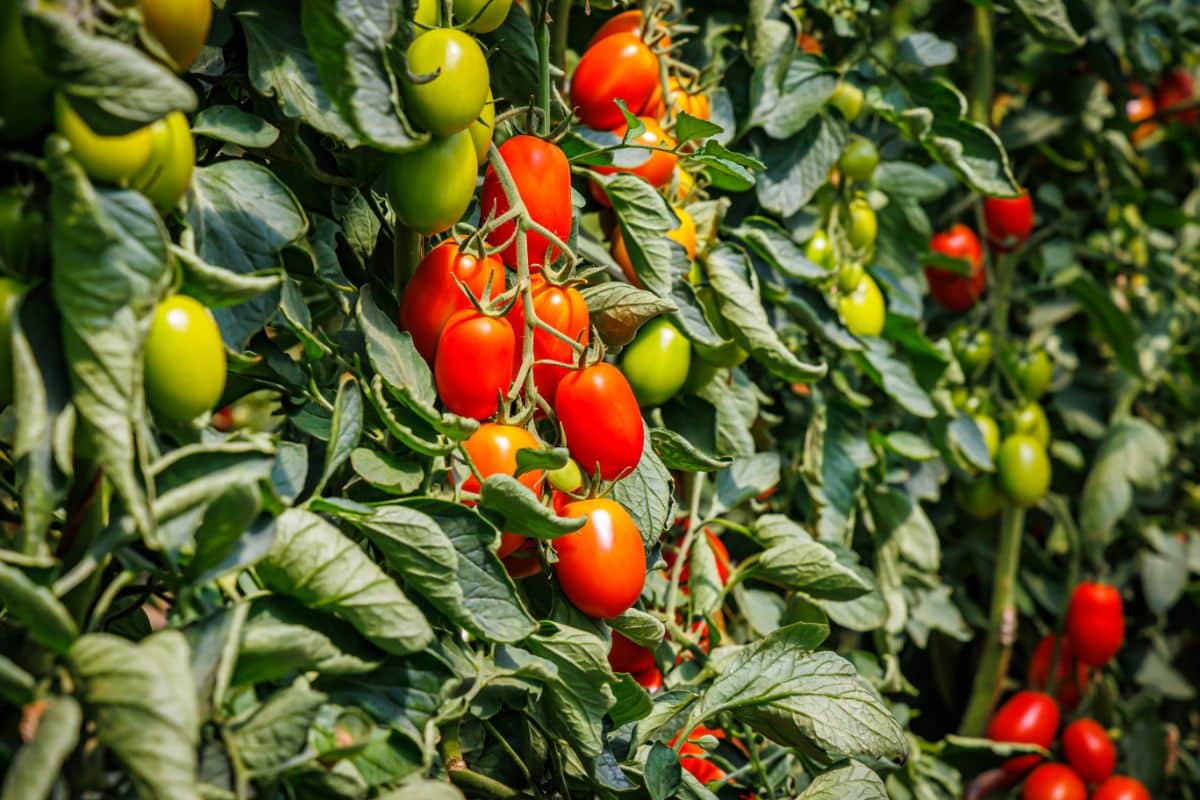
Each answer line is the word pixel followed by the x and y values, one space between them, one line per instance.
pixel 600 417
pixel 616 67
pixel 431 187
pixel 184 360
pixel 656 363
pixel 454 97
pixel 565 311
pixel 954 291
pixel 542 178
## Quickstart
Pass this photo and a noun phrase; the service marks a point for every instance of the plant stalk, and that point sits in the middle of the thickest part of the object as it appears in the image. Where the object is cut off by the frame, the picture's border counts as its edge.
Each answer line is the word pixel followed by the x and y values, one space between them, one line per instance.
pixel 984 82
pixel 406 255
pixel 542 33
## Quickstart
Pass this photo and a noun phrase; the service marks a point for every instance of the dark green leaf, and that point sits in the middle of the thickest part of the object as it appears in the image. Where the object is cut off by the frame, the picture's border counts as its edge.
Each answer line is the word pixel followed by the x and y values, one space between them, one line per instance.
pixel 38 765
pixel 36 607
pixel 281 637
pixel 232 124
pixel 521 509
pixel 851 782
pixel 277 730
pixel 618 309
pixel 677 452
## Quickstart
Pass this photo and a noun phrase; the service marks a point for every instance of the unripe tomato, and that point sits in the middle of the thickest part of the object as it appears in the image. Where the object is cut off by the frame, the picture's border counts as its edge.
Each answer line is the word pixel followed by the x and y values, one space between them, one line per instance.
pixel 493 450
pixel 543 180
pixel 1034 373
pixel 431 187
pixel 1089 750
pixel 863 310
pixel 432 295
pixel 1120 787
pixel 625 656
pixel 658 167
pixel 10 295
pixel 651 680
pixel 990 432
pixel 1008 220
pixel 24 89
pixel 1139 108
pixel 1023 469
pixel 972 349
pixel 493 16
pixel 1095 623
pixel 481 130
pixel 953 291
pixel 1072 678
pixel 168 173
pixel 454 99
pixel 849 276
pixel 111 159
pixel 601 419
pixel 601 567
pixel 863 225
pixel 1029 418
pixel 567 478
pixel 859 160
pixel 473 367
pixel 848 99
pixel 684 234
pixel 427 13
pixel 565 310
pixel 656 362
pixel 1176 88
pixel 1053 782
pixel 979 497
pixel 625 22
pixel 184 360
pixel 180 26
pixel 621 67
pixel 1026 718
pixel 819 250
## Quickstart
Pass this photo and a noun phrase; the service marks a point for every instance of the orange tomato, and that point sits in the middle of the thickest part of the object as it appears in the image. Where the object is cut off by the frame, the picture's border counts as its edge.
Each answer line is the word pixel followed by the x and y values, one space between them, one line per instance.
pixel 602 566
pixel 1139 108
pixel 493 449
pixel 657 169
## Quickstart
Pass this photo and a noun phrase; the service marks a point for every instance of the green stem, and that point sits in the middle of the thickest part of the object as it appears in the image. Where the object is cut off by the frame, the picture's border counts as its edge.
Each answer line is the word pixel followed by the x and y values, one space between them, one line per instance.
pixel 466 778
pixel 543 48
pixel 406 255
pixel 985 68
pixel 558 42
pixel 1002 626
pixel 763 775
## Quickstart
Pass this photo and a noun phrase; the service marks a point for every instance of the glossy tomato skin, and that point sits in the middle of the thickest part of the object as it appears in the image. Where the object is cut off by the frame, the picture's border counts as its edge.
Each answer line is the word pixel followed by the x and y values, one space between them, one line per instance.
pixel 863 310
pixel 1023 469
pixel 656 362
pixel 972 348
pixel 625 22
pixel 1053 782
pixel 168 173
pixel 601 419
pixel 10 296
pixel 953 291
pixel 1176 88
pixel 1008 220
pixel 990 432
pixel 451 101
pixel 1072 678
pixel 543 181
pixel 1089 750
pixel 1120 787
pixel 184 360
pixel 180 26
pixel 1035 371
pixel 602 566
pixel 650 679
pixel 1095 623
pixel 431 187
pixel 1139 109
pixel 493 16
pixel 493 450
pixel 562 308
pixel 110 159
pixel 863 225
pixel 658 168
pixel 1030 418
pixel 1026 718
pixel 618 66
pixel 625 656
pixel 684 235
pixel 432 294
pixel 848 99
pixel 473 365
pixel 859 160
pixel 481 129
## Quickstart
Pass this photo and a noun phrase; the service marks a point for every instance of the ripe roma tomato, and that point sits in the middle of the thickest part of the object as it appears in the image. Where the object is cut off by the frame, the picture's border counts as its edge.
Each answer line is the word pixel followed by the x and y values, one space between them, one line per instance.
pixel 685 235
pixel 179 26
pixel 1176 88
pixel 1027 718
pixel 1138 109
pixel 432 295
pixel 651 680
pixel 1008 220
pixel 953 291
pixel 474 363
pixel 1023 469
pixel 694 758
pixel 618 66
pixel 565 310
pixel 1072 678
pixel 451 101
pixel 1089 750
pixel 184 360
pixel 601 567
pixel 601 419
pixel 543 180
pixel 625 656
pixel 1053 782
pixel 1119 787
pixel 625 22
pixel 431 187
pixel 493 449
pixel 1095 623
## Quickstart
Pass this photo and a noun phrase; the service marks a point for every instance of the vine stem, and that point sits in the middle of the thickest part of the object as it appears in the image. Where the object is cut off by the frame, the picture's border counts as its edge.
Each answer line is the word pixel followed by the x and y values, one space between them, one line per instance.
pixel 686 545
pixel 543 50
pixel 461 775
pixel 558 42
pixel 984 82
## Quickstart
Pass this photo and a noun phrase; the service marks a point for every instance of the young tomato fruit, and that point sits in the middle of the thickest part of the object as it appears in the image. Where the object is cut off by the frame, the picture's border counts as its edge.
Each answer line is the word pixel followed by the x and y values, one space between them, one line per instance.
pixel 973 349
pixel 110 159
pixel 168 173
pixel 432 295
pixel 863 310
pixel 1026 718
pixel 493 16
pixel 1035 371
pixel 859 160
pixel 493 450
pixel 184 360
pixel 953 291
pixel 990 432
pixel 625 656
pixel 848 99
pixel 1053 782
pixel 474 363
pixel 543 181
pixel 1095 623
pixel 1072 678
pixel 565 310
pixel 979 497
pixel 179 26
pixel 656 362
pixel 431 187
pixel 452 100
pixel 1030 418
pixel 601 419
pixel 819 250
pixel 601 567
pixel 1023 469
pixel 619 66
pixel 1089 750
pixel 1008 220
pixel 1119 787
pixel 864 226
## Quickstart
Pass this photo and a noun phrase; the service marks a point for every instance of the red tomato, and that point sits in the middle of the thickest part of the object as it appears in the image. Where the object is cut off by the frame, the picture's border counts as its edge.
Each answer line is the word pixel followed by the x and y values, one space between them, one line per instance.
pixel 1119 787
pixel 1089 750
pixel 543 180
pixel 625 656
pixel 565 310
pixel 657 169
pixel 493 449
pixel 694 758
pixel 524 561
pixel 473 366
pixel 953 291
pixel 601 420
pixel 1176 88
pixel 1095 623
pixel 432 295
pixel 1140 109
pixel 1009 220
pixel 601 567
pixel 809 44
pixel 625 22
pixel 651 680
pixel 1027 718
pixel 1053 782
pixel 724 562
pixel 1072 678
pixel 621 67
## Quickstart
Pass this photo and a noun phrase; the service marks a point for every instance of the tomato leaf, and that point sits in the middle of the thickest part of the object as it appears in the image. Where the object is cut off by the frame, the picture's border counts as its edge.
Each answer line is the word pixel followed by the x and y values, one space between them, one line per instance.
pixel 16 685
pixel 691 129
pixel 1050 22
pixel 639 627
pixel 677 452
pixel 894 377
pixel 232 124
pixel 549 459
pixel 632 702
pixel 796 167
pixel 853 781
pixel 36 607
pixel 580 695
pixel 618 309
pixel 37 766
pixel 809 567
pixel 772 243
pixel 646 493
pixel 346 430
pixel 521 510
pixel 272 733
pixel 645 217
pixel 1133 454
pixel 216 287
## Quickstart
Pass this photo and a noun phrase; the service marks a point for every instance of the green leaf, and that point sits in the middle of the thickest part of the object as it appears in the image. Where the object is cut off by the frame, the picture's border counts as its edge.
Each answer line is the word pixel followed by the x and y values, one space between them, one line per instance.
pixel 549 459
pixel 835 453
pixel 386 471
pixel 228 539
pixel 775 245
pixel 926 50
pixel 281 637
pixel 646 494
pixel 910 445
pixel 513 57
pixel 277 730
pixel 36 607
pixel 677 452
pixel 143 700
pixel 38 765
pixel 232 124
pixel 315 563
pixel 521 510
pixel 853 781
pixel 1133 454
pixel 728 170
pixel 663 773
pixel 1050 22
pixel 16 685
pixel 1114 324
pixel 632 702
pixel 810 567
pixel 691 129
pixel 747 477
pixel 645 217
pixel 796 167
pixel 804 90
pixel 639 627
pixel 217 287
pixel 579 696
pixel 347 428
pixel 618 309
pixel 902 520
pixel 894 377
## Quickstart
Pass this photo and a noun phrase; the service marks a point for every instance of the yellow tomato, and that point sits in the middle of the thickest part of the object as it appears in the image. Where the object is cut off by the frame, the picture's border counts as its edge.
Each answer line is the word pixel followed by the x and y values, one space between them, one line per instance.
pixel 112 159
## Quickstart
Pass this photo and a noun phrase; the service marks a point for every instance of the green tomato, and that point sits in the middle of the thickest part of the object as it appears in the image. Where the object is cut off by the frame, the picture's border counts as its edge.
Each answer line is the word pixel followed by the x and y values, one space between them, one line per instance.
pixel 656 362
pixel 859 160
pixel 973 350
pixel 431 187
pixel 493 16
pixel 481 130
pixel 729 353
pixel 970 402
pixel 1030 419
pixel 1034 373
pixel 849 276
pixel 979 497
pixel 567 478
pixel 864 226
pixel 10 295
pixel 184 360
pixel 848 99
pixel 450 102
pixel 990 432
pixel 863 311
pixel 169 172
pixel 1023 469
pixel 22 231
pixel 111 159
pixel 819 250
